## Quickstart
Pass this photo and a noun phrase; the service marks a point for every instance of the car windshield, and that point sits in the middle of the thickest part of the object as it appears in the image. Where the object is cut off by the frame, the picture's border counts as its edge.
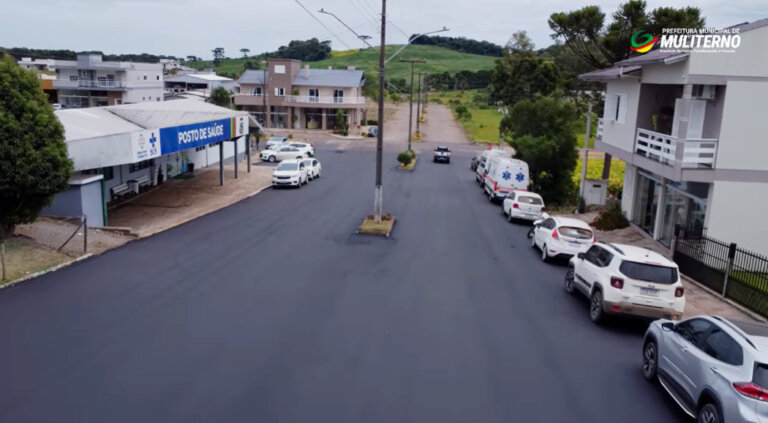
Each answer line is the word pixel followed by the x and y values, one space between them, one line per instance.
pixel 529 200
pixel 441 149
pixel 572 232
pixel 287 166
pixel 649 272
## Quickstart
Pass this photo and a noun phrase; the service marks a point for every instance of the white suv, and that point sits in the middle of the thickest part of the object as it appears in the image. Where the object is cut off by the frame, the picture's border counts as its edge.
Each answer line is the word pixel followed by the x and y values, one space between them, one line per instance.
pixel 624 279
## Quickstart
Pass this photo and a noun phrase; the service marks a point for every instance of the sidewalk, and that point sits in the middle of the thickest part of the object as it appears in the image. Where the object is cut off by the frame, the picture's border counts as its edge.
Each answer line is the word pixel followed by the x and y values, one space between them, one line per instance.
pixel 698 299
pixel 182 199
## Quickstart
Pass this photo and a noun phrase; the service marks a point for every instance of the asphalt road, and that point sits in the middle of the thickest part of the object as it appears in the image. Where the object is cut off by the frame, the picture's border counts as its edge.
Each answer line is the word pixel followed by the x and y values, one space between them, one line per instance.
pixel 273 310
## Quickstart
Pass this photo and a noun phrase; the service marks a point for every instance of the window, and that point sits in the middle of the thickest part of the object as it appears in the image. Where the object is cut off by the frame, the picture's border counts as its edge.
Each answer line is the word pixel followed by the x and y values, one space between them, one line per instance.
pixel 592 254
pixel 145 77
pixel 722 347
pixel 279 92
pixel 529 200
pixel 338 96
pixel 143 99
pixel 512 196
pixel 615 108
pixel 279 68
pixel 158 77
pixel 135 167
pixel 200 148
pixel 604 258
pixel 314 95
pixel 693 330
pixel 256 91
pixel 649 272
pixel 572 232
pixel 213 144
pixel 108 172
pixel 549 224
pixel 73 78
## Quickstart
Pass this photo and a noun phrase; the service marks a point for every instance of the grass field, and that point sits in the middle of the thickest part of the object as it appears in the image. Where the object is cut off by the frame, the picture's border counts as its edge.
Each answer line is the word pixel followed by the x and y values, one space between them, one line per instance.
pixel 483 126
pixel 438 60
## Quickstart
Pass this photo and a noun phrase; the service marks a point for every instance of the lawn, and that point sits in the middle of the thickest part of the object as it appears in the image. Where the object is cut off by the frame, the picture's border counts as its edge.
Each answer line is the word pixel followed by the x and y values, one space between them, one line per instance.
pixel 595 171
pixel 25 257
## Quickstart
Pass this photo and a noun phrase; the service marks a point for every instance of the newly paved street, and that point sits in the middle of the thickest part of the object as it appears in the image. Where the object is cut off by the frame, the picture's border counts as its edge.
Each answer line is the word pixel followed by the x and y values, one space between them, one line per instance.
pixel 273 310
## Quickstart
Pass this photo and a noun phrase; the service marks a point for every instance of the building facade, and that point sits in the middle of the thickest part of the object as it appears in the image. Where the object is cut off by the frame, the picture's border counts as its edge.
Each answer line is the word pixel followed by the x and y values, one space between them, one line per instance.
pixel 285 95
pixel 688 125
pixel 91 82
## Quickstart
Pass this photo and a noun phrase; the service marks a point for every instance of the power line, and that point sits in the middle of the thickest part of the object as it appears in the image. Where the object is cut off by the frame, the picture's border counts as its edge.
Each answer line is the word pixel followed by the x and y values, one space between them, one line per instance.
pixel 321 23
pixel 360 11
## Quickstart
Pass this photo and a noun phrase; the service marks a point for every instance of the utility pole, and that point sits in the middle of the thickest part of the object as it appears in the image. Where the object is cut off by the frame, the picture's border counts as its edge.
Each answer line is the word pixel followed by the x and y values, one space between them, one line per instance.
pixel 418 107
pixel 264 91
pixel 410 102
pixel 380 132
pixel 587 134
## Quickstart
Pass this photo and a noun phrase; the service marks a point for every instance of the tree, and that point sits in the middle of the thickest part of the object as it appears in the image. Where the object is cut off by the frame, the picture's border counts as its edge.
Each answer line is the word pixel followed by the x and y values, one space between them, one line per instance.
pixel 542 131
pixel 308 51
pixel 584 32
pixel 521 74
pixel 245 52
pixel 218 54
pixel 33 156
pixel 340 125
pixel 220 96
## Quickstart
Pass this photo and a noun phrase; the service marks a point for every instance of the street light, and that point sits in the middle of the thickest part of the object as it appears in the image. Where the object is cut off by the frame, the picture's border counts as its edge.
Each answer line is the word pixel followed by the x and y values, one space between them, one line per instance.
pixel 412 40
pixel 363 38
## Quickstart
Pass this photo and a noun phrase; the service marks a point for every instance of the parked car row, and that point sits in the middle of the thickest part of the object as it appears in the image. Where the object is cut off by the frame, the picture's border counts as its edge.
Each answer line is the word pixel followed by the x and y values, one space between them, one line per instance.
pixel 296 172
pixel 715 369
pixel 287 150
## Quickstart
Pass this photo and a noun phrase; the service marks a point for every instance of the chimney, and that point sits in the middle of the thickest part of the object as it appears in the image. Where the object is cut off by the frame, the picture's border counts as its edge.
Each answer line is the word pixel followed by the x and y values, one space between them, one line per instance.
pixel 306 71
pixel 351 68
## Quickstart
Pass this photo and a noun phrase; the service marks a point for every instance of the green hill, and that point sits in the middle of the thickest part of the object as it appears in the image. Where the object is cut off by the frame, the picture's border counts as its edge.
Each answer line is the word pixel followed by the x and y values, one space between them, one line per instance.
pixel 438 60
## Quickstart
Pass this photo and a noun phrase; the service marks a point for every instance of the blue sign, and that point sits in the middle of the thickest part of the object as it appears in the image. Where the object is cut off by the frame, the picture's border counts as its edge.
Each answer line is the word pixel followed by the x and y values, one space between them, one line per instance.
pixel 520 177
pixel 506 175
pixel 177 138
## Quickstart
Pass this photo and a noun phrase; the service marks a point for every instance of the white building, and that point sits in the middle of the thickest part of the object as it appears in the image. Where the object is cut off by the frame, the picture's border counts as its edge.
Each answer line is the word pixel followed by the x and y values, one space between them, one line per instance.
pixel 691 126
pixel 91 82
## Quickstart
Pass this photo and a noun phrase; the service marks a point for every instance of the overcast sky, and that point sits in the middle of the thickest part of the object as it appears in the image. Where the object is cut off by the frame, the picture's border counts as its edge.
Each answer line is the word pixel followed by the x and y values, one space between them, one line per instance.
pixel 195 27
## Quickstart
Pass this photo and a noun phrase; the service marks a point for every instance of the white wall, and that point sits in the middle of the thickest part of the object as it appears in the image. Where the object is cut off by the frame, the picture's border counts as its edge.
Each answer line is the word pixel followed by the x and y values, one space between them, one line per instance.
pixel 136 95
pixel 622 135
pixel 628 192
pixel 744 127
pixel 660 73
pixel 749 59
pixel 737 214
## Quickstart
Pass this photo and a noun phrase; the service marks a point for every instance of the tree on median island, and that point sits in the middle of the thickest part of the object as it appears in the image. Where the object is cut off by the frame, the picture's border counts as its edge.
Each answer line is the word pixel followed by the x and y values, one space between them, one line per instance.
pixel 33 156
pixel 220 96
pixel 542 131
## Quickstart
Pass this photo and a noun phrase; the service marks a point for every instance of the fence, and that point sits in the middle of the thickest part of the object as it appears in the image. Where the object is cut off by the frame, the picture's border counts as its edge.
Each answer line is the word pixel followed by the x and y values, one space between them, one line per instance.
pixel 738 274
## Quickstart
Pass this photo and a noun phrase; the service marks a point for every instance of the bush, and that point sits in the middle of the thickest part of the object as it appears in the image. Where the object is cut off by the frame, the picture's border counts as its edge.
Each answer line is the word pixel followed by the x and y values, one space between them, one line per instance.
pixel 611 217
pixel 290 136
pixel 463 113
pixel 372 122
pixel 396 98
pixel 405 157
pixel 483 107
pixel 435 100
pixel 458 102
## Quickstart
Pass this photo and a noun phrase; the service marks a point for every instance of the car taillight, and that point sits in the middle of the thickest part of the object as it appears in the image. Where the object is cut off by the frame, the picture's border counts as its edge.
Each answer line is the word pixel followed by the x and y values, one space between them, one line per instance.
pixel 435 154
pixel 751 390
pixel 312 144
pixel 555 234
pixel 594 239
pixel 617 283
pixel 495 186
pixel 679 291
pixel 515 206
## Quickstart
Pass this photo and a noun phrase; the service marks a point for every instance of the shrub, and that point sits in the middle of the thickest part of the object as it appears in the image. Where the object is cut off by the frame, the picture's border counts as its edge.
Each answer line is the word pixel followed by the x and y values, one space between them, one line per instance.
pixel 611 217
pixel 405 157
pixel 483 107
pixel 458 102
pixel 290 136
pixel 462 112
pixel 396 97
pixel 372 122
pixel 435 100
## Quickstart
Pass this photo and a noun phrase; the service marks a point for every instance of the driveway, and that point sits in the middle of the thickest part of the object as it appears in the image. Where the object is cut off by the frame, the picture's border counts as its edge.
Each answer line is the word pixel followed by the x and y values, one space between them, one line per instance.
pixel 273 310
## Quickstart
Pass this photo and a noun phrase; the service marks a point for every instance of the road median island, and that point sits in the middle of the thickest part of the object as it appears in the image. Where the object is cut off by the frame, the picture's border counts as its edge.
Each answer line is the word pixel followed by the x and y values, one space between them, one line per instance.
pixel 371 227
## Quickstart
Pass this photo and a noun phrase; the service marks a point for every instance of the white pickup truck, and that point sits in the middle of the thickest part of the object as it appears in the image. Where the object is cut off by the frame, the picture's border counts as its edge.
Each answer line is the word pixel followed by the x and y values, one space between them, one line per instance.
pixel 442 154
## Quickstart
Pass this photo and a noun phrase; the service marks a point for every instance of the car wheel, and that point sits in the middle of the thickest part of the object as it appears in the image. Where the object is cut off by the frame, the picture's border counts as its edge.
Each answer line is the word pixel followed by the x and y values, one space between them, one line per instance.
pixel 509 216
pixel 650 360
pixel 272 159
pixel 596 312
pixel 299 157
pixel 569 280
pixel 533 240
pixel 709 413
pixel 544 253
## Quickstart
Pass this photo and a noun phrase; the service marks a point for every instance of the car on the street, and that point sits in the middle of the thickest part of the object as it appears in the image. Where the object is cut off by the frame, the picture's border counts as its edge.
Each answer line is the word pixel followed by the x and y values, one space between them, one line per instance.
pixel 314 168
pixel 716 369
pixel 283 153
pixel 504 175
pixel 561 237
pixel 373 131
pixel 475 160
pixel 274 142
pixel 483 159
pixel 306 147
pixel 627 280
pixel 290 173
pixel 523 205
pixel 442 154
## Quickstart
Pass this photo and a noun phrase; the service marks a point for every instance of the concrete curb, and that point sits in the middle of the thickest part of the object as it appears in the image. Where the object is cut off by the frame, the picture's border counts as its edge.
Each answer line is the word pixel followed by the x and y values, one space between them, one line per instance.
pixel 346 138
pixel 730 302
pixel 49 270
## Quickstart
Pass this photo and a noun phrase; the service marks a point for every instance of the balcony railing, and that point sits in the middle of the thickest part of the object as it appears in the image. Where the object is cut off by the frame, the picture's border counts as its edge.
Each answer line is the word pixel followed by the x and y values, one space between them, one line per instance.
pixel 324 99
pixel 85 83
pixel 669 150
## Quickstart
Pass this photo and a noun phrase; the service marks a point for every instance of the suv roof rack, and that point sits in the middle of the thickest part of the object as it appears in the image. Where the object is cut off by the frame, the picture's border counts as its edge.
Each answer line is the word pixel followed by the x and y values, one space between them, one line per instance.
pixel 735 329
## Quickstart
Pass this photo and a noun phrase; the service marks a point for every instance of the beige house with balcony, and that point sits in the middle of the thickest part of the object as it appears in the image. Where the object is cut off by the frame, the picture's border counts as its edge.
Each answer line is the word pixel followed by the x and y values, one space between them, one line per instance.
pixel 692 127
pixel 302 98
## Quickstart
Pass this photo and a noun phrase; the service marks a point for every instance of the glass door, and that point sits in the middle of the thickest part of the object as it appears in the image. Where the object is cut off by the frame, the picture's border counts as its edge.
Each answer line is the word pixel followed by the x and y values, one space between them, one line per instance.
pixel 646 203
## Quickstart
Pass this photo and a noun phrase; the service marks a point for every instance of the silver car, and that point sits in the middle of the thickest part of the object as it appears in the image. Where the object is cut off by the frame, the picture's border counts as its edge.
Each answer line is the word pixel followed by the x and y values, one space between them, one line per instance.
pixel 715 369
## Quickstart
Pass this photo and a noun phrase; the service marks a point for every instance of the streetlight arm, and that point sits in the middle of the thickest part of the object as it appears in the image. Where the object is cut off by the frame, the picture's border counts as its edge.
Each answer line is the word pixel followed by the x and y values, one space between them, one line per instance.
pixel 412 40
pixel 363 38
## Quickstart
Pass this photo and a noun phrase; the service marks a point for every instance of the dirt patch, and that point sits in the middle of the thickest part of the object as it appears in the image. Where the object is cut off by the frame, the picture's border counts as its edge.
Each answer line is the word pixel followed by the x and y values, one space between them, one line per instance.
pixel 24 257
pixel 53 233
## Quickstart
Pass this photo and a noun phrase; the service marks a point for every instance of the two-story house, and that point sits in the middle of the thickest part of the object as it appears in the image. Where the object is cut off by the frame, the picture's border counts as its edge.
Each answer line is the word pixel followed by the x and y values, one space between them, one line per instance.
pixel 302 98
pixel 692 127
pixel 90 82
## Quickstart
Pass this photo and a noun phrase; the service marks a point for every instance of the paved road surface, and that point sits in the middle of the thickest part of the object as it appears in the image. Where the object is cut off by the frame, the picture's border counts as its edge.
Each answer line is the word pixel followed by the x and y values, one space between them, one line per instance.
pixel 272 310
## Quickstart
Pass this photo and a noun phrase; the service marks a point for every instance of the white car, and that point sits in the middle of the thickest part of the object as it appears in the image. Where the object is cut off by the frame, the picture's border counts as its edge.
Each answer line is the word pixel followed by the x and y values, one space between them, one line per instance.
pixel 624 279
pixel 274 142
pixel 523 205
pixel 307 147
pixel 561 237
pixel 290 173
pixel 313 168
pixel 282 153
